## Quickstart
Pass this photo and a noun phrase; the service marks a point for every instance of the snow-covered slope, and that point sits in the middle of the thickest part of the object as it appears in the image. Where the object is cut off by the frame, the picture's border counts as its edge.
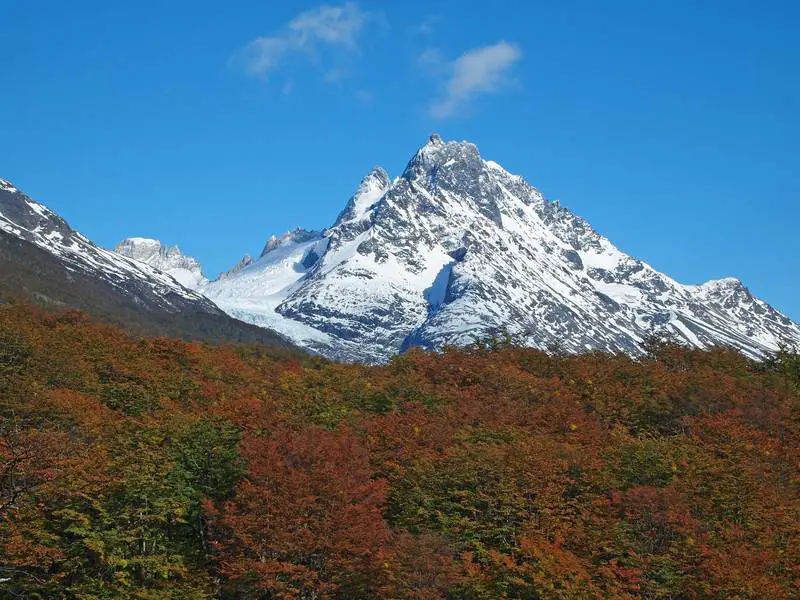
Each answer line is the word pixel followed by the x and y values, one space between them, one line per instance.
pixel 253 289
pixel 457 248
pixel 42 259
pixel 185 269
pixel 24 218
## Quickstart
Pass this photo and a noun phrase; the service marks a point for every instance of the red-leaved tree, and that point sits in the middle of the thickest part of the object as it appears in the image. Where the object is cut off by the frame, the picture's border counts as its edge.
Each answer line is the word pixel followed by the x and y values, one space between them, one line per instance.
pixel 307 520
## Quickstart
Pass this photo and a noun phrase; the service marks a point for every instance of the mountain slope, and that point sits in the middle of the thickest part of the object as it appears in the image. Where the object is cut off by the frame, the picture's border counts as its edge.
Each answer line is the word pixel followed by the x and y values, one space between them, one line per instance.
pixel 43 259
pixel 253 290
pixel 457 248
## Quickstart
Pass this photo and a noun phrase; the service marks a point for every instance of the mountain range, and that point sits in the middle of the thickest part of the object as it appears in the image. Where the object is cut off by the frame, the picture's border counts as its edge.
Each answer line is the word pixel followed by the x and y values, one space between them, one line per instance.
pixel 44 260
pixel 454 250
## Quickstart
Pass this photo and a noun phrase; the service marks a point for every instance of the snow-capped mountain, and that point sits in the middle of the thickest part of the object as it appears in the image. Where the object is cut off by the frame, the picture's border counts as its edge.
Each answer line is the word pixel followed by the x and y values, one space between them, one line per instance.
pixel 186 270
pixel 33 222
pixel 43 259
pixel 457 248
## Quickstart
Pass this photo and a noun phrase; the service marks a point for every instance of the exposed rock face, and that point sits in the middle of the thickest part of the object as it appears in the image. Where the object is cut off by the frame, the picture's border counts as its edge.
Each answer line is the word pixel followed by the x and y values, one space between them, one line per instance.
pixel 246 260
pixel 185 269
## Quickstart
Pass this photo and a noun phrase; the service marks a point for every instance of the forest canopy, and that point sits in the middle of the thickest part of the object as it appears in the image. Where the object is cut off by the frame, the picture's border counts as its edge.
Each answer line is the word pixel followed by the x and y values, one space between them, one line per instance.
pixel 152 468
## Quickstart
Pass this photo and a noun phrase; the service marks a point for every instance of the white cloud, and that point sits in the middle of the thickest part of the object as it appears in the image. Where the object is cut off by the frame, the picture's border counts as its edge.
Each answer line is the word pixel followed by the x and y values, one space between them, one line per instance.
pixel 477 71
pixel 331 24
pixel 263 54
pixel 325 26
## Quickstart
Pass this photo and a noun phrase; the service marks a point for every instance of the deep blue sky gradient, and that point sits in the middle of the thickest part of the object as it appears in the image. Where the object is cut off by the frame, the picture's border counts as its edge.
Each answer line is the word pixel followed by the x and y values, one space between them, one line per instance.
pixel 672 126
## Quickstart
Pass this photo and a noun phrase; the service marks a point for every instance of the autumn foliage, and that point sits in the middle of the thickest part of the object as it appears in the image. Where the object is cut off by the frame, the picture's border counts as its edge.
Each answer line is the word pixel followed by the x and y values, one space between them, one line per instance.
pixel 154 468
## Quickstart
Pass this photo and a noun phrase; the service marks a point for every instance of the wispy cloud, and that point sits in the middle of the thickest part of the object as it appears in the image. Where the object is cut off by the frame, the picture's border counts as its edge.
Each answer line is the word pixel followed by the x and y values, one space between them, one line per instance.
pixel 335 75
pixel 306 34
pixel 365 97
pixel 427 26
pixel 432 61
pixel 330 24
pixel 478 71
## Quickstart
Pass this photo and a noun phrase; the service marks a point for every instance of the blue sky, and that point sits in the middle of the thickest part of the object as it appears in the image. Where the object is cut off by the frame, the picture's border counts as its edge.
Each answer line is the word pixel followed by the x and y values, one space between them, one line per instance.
pixel 672 126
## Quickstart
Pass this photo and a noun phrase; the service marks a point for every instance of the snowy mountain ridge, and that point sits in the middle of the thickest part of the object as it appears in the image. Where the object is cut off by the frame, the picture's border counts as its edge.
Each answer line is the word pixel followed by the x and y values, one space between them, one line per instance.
pixel 186 270
pixel 456 248
pixel 26 219
pixel 43 260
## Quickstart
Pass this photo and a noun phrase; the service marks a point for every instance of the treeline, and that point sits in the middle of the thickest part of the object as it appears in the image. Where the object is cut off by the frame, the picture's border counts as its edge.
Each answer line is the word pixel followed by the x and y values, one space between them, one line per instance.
pixel 153 468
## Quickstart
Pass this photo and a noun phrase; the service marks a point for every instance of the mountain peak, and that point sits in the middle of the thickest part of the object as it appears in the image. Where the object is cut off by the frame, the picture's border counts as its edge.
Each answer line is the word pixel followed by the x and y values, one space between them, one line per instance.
pixel 377 172
pixel 246 261
pixel 724 282
pixel 293 236
pixel 440 153
pixel 142 248
pixel 457 168
pixel 369 191
pixel 7 186
pixel 435 139
pixel 723 286
pixel 185 269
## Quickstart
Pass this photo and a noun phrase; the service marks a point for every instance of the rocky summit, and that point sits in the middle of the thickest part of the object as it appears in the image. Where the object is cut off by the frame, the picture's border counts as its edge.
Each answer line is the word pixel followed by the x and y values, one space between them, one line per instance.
pixel 185 269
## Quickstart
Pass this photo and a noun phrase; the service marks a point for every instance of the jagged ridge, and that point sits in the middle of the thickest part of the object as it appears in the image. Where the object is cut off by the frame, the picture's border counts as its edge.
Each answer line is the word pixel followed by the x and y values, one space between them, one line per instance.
pixel 186 270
